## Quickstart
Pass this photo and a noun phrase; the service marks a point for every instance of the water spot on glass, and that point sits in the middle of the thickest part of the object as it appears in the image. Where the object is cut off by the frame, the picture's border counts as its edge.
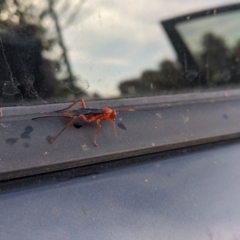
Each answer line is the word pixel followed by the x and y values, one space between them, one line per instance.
pixel 10 87
pixel 191 75
pixel 27 132
pixel 225 76
pixel 5 125
pixel 185 119
pixel 85 147
pixel 77 85
pixel 11 141
pixel 28 79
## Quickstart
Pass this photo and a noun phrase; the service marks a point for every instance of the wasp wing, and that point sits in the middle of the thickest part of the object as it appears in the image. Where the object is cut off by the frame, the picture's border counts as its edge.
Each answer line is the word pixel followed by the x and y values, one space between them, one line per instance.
pixel 88 111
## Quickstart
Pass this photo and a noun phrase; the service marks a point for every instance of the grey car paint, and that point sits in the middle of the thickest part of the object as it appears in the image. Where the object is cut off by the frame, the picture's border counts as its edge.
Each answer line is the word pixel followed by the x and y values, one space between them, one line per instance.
pixel 189 196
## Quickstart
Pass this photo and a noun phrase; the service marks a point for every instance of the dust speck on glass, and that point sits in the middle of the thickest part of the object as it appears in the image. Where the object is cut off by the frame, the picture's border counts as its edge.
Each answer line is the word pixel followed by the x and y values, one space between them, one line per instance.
pixel 61 50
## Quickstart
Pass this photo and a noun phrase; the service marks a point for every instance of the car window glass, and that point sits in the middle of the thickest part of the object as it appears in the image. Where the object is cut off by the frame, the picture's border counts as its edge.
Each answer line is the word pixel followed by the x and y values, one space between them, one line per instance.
pixel 58 51
pixel 216 49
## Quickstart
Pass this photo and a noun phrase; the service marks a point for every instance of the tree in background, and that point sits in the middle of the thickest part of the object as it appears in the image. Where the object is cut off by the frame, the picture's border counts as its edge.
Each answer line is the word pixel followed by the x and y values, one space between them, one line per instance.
pixel 168 77
pixel 45 20
pixel 236 62
pixel 215 60
pixel 219 65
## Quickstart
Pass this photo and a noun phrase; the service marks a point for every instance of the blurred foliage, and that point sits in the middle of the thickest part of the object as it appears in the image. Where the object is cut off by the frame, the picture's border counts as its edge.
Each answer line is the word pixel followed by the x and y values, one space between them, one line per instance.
pixel 218 64
pixel 167 77
pixel 215 60
pixel 42 20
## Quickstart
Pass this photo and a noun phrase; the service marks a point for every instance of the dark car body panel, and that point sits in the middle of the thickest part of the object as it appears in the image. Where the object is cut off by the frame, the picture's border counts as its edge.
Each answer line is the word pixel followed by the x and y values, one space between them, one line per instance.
pixel 189 195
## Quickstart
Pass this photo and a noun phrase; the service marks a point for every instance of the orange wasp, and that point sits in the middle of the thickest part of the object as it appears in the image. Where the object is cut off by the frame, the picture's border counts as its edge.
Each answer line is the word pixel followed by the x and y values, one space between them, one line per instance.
pixel 88 115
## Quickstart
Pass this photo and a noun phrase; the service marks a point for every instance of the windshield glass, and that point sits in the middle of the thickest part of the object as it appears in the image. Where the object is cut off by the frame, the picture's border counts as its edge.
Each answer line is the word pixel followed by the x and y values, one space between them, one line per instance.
pixel 58 51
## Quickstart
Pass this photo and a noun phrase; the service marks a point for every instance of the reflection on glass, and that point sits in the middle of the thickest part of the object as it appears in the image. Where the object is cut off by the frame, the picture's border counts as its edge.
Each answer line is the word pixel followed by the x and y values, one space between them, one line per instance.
pixel 34 59
pixel 214 42
pixel 61 50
